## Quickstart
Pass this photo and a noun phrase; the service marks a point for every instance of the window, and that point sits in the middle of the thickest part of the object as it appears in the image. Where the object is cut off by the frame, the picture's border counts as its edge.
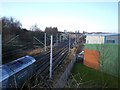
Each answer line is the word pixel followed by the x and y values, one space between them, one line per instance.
pixel 110 41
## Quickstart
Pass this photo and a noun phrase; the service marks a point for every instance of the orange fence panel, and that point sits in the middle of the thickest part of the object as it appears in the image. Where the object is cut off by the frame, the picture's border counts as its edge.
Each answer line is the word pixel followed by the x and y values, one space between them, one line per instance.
pixel 91 58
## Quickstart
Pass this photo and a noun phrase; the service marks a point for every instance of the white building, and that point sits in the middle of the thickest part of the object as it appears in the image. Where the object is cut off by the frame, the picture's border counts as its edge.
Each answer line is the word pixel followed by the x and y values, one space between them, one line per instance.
pixel 102 38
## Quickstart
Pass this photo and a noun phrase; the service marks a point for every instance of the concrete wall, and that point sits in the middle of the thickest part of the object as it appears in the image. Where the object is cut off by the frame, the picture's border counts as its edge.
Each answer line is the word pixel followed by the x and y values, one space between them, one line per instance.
pixel 63 79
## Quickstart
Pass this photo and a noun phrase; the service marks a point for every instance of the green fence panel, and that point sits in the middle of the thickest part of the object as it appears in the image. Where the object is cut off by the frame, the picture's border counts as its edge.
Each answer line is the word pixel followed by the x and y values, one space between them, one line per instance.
pixel 109 58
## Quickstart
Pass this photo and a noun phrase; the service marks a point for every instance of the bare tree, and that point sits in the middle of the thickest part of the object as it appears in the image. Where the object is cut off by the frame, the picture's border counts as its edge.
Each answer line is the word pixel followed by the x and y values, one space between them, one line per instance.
pixel 10 23
pixel 35 28
pixel 10 27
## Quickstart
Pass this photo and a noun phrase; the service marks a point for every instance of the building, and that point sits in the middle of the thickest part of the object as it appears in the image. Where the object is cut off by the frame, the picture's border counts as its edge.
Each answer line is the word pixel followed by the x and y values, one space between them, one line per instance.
pixel 102 38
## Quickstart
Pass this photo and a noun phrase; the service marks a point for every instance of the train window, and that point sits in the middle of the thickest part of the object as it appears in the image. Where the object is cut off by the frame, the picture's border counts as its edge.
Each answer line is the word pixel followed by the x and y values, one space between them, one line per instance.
pixel 20 62
pixel 14 63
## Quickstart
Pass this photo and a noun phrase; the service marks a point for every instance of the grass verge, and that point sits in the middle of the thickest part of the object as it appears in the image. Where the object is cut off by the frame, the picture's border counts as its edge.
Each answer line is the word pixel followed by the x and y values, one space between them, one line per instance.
pixel 85 77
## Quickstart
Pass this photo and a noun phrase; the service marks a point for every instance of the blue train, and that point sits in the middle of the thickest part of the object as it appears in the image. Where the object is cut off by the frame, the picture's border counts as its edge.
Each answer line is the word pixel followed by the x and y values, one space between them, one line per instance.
pixel 14 74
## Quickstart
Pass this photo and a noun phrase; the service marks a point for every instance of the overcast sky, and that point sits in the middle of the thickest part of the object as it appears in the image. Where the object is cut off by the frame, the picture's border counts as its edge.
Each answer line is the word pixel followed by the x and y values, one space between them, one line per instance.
pixel 71 16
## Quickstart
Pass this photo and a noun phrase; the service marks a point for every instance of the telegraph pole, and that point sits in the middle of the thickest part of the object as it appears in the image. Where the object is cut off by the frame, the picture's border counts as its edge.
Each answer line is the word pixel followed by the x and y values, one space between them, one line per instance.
pixel 0 49
pixel 45 41
pixel 51 57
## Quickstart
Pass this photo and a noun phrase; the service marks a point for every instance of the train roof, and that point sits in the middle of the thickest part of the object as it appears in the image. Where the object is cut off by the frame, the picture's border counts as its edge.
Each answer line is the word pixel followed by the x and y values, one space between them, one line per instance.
pixel 15 66
pixel 21 63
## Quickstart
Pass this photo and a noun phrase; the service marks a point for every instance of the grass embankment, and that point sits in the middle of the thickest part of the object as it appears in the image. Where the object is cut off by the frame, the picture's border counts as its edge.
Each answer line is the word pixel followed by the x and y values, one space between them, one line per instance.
pixel 34 51
pixel 13 53
pixel 85 77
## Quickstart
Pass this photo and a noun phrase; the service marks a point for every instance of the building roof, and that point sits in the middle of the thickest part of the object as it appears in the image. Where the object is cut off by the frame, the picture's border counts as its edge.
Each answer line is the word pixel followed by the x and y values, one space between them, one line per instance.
pixel 111 34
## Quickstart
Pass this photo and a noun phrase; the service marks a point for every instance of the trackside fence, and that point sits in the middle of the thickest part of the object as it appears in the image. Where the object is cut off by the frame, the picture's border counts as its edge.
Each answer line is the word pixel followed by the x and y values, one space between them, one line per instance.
pixel 63 79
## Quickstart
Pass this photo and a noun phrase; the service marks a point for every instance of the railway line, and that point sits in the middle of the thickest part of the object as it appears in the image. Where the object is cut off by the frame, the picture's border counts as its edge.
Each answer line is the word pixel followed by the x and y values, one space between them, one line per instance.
pixel 57 58
pixel 40 64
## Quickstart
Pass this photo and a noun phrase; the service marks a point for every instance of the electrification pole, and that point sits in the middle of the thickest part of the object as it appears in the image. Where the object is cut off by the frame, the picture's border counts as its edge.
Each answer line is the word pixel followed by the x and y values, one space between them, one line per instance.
pixel 51 57
pixel 57 39
pixel 45 41
pixel 0 49
pixel 60 38
pixel 76 37
pixel 69 42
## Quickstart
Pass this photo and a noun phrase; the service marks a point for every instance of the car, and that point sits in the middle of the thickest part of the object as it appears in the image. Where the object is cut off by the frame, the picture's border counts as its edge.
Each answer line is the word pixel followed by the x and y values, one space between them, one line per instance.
pixel 80 57
pixel 81 54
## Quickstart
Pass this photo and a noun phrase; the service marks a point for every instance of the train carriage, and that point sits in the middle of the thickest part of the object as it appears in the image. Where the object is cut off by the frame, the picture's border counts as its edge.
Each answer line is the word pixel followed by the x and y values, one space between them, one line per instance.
pixel 16 72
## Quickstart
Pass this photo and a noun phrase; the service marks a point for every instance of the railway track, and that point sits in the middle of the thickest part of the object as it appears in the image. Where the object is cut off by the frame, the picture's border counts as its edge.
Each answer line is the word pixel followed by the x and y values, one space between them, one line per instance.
pixel 39 65
pixel 43 64
pixel 57 58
